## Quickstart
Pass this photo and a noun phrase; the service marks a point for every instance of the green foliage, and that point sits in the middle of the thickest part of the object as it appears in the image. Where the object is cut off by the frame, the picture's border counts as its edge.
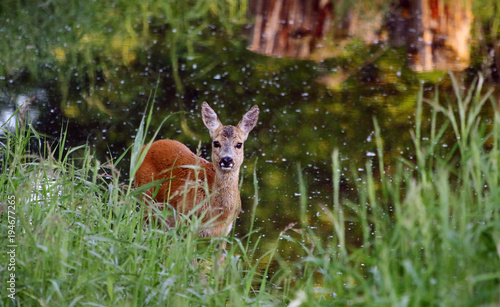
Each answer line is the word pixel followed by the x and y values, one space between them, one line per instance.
pixel 428 231
pixel 98 33
pixel 82 240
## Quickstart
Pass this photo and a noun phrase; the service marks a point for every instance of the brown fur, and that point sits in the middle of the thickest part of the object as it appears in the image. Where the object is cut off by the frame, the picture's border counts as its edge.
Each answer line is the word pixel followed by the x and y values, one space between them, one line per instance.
pixel 206 190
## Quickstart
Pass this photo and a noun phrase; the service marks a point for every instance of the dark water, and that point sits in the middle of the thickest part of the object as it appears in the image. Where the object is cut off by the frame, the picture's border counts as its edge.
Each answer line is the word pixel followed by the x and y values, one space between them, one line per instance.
pixel 96 88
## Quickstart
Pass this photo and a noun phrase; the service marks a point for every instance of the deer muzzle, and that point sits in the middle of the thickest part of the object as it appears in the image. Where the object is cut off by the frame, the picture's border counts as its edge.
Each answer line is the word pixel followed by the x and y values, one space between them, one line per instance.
pixel 226 163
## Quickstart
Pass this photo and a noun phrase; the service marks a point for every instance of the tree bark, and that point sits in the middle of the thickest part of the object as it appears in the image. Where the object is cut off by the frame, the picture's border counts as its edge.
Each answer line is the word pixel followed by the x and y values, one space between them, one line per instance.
pixel 438 33
pixel 289 28
pixel 435 32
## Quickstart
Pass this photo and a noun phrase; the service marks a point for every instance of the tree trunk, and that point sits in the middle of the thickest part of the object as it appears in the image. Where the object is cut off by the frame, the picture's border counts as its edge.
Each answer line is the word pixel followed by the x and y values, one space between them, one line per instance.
pixel 435 32
pixel 438 33
pixel 289 28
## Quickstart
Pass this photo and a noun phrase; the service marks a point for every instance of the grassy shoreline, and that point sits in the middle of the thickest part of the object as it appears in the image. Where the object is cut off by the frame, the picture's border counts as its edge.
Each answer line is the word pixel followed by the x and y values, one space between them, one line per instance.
pixel 430 231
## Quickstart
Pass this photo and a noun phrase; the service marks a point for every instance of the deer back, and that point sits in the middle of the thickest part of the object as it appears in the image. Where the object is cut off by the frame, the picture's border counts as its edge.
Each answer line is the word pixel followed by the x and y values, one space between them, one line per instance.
pixel 173 161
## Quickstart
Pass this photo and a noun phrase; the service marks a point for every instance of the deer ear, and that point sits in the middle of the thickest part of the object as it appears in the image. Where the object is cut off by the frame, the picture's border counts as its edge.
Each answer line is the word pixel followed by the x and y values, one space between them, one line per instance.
pixel 210 118
pixel 249 120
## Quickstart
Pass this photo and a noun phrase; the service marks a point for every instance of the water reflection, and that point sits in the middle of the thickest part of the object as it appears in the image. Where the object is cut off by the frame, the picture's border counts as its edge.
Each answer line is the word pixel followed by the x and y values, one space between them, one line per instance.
pixel 23 103
pixel 96 72
pixel 435 34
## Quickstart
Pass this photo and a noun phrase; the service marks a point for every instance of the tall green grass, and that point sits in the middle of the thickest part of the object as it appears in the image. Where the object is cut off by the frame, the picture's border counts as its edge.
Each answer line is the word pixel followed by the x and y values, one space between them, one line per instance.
pixel 81 240
pixel 429 230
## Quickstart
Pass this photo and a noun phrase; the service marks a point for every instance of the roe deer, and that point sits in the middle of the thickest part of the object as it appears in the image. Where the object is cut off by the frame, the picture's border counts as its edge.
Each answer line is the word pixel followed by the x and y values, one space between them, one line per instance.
pixel 184 186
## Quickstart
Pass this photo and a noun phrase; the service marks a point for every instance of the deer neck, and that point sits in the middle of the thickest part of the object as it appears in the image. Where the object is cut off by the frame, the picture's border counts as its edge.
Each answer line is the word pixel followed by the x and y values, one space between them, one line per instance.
pixel 226 189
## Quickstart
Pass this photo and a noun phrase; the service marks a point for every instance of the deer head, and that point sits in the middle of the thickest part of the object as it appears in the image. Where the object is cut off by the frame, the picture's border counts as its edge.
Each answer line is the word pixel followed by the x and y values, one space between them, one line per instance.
pixel 227 141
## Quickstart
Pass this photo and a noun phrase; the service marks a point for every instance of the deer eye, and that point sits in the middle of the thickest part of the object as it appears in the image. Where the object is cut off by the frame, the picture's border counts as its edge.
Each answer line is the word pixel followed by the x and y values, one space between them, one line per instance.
pixel 216 144
pixel 239 145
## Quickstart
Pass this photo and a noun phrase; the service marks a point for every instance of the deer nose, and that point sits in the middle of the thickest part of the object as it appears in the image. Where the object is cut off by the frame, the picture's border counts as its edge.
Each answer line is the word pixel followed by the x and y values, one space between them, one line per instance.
pixel 226 163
